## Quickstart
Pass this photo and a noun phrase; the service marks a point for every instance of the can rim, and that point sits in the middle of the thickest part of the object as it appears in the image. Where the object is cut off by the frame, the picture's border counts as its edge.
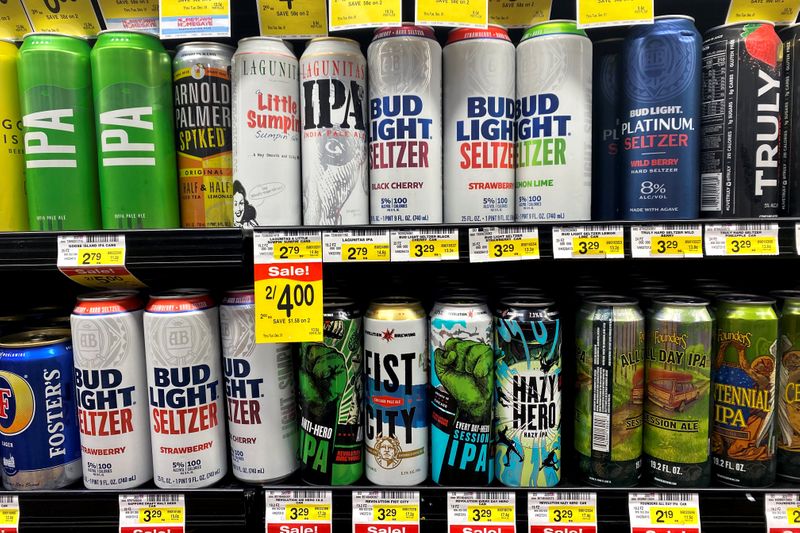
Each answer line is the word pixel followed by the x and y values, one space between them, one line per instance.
pixel 240 290
pixel 55 33
pixel 106 296
pixel 172 294
pixel 608 40
pixel 733 24
pixel 329 38
pixel 786 294
pixel 396 301
pixel 49 336
pixel 553 21
pixel 137 32
pixel 528 301
pixel 12 318
pixel 258 38
pixel 681 300
pixel 461 301
pixel 611 300
pixel 674 16
pixel 208 43
pixel 337 300
pixel 746 299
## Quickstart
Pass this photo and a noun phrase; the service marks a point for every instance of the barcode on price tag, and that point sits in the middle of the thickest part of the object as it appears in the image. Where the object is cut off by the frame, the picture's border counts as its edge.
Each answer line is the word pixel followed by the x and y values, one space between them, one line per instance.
pixel 660 512
pixel 551 511
pixel 434 244
pixel 9 513
pixel 298 510
pixel 96 261
pixel 376 510
pixel 741 239
pixel 503 244
pixel 141 510
pixel 370 245
pixel 782 512
pixel 588 242
pixel 675 240
pixel 466 510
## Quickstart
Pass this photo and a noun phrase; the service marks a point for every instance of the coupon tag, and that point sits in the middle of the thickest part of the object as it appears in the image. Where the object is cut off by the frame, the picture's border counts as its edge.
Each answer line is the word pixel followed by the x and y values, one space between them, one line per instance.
pixel 778 11
pixel 519 13
pixel 481 512
pixel 138 15
pixel 782 512
pixel 461 13
pixel 180 19
pixel 664 512
pixel 385 511
pixel 152 512
pixel 14 23
pixel 741 239
pixel 489 244
pixel 424 244
pixel 549 512
pixel 76 17
pixel 96 261
pixel 669 241
pixel 371 245
pixel 292 19
pixel 354 14
pixel 9 513
pixel 588 242
pixel 298 511
pixel 601 13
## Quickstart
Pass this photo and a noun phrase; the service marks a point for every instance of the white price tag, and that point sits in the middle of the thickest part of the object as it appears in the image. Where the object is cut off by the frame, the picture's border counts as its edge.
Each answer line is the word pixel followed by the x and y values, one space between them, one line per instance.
pixel 674 240
pixel 435 244
pixel 298 511
pixel 481 512
pixel 152 512
pixel 741 239
pixel 664 512
pixel 782 512
pixel 96 261
pixel 587 242
pixel 9 513
pixel 355 246
pixel 385 511
pixel 503 244
pixel 549 512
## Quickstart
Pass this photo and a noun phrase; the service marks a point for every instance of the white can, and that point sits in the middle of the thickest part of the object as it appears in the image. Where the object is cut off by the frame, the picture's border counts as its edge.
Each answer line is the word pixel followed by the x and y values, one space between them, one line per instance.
pixel 333 94
pixel 259 389
pixel 479 126
pixel 266 134
pixel 111 385
pixel 405 112
pixel 554 123
pixel 184 374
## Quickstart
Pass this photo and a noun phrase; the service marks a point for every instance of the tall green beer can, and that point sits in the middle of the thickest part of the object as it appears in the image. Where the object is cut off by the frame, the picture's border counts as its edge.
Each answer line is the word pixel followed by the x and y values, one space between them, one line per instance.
pixel 788 384
pixel 55 90
pixel 132 75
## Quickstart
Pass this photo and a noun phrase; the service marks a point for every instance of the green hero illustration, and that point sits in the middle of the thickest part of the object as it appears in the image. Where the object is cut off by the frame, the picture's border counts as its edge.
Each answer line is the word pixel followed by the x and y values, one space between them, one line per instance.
pixel 466 369
pixel 322 378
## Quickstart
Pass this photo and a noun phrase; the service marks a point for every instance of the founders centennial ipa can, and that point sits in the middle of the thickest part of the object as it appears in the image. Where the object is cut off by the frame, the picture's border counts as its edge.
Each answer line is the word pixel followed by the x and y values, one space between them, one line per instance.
pixel 789 387
pixel 13 202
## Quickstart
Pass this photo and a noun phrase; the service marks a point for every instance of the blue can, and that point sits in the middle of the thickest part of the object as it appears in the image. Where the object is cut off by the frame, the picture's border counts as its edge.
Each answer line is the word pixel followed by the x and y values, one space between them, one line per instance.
pixel 660 120
pixel 605 129
pixel 39 433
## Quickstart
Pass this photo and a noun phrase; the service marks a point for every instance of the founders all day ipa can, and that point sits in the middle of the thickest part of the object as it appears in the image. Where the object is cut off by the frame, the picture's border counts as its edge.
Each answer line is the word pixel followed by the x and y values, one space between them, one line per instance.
pixel 13 201
pixel 789 387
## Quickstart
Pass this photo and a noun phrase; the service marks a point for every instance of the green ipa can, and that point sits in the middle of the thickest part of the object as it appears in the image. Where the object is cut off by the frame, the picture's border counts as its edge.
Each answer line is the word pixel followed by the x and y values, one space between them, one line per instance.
pixel 55 90
pixel 330 398
pixel 678 402
pixel 610 390
pixel 742 438
pixel 132 76
pixel 789 386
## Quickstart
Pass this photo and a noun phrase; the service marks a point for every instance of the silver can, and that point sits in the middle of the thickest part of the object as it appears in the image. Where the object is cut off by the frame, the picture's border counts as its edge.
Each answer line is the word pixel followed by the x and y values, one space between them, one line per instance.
pixel 479 126
pixel 405 110
pixel 333 94
pixel 266 134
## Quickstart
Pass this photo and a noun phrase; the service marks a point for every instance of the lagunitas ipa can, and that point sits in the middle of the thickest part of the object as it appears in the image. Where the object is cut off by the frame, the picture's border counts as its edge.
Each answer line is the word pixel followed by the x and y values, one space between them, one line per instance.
pixel 462 389
pixel 527 421
pixel 790 126
pixel 266 134
pixel 202 82
pixel 660 120
pixel 55 91
pixel 333 102
pixel 740 153
pixel 788 395
pixel 111 385
pixel 605 128
pixel 554 123
pixel 405 112
pixel 742 439
pixel 259 389
pixel 13 201
pixel 609 388
pixel 396 403
pixel 676 410
pixel 479 126
pixel 132 80
pixel 184 374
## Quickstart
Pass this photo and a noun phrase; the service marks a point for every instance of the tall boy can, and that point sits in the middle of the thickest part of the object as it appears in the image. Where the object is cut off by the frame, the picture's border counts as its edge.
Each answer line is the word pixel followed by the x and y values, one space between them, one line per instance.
pixel 789 386
pixel 790 123
pixel 605 128
pixel 13 201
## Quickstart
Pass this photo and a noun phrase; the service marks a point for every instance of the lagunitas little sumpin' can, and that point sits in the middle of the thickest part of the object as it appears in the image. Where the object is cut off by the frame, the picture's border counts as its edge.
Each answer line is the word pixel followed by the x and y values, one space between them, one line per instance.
pixel 13 201
pixel 405 111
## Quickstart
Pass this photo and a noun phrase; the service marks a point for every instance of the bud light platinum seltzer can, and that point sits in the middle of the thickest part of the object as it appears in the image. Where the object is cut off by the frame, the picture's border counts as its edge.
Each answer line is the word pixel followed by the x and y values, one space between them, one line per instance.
pixel 605 128
pixel 479 126
pixel 111 384
pixel 184 374
pixel 333 94
pixel 259 388
pixel 405 111
pixel 554 123
pixel 266 134
pixel 396 403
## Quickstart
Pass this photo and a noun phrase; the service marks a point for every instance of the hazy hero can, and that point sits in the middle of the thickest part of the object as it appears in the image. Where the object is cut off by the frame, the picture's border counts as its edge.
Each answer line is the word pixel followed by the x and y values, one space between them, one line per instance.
pixel 13 201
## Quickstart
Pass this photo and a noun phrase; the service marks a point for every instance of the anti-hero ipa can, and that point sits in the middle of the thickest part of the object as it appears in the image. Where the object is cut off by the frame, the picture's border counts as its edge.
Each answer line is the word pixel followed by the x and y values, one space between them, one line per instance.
pixel 13 201
pixel 333 102
pixel 396 404
pixel 789 387
pixel 790 125
pixel 606 70
pixel 405 111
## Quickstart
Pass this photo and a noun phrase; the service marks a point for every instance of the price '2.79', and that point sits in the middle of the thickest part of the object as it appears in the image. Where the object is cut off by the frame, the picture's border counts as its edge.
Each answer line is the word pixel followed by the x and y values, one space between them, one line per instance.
pixel 291 296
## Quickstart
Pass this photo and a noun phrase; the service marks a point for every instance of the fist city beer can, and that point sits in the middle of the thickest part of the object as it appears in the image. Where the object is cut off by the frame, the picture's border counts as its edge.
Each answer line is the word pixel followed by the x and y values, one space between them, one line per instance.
pixel 111 384
pixel 479 126
pixel 788 395
pixel 202 82
pixel 259 389
pixel 13 201
pixel 266 134
pixel 333 96
pixel 606 70
pixel 396 406
pixel 405 110
pixel 39 437
pixel 184 375
pixel 790 124
pixel 554 123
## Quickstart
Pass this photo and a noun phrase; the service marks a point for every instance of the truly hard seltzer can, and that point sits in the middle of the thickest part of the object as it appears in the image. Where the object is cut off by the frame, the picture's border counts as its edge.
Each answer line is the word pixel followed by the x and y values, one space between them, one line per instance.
pixel 396 403
pixel 660 120
pixel 479 126
pixel 39 436
pixel 606 184
pixel 184 374
pixel 266 134
pixel 202 83
pixel 740 152
pixel 333 102
pixel 790 125
pixel 743 440
pixel 788 395
pixel 678 403
pixel 554 123
pixel 610 343
pixel 527 420
pixel 462 388
pixel 13 201
pixel 405 112
pixel 331 391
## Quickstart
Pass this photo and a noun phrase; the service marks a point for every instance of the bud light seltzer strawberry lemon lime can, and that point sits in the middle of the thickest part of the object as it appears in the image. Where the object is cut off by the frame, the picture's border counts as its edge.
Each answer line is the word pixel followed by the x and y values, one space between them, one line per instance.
pixel 184 375
pixel 554 123
pixel 13 202
pixel 55 90
pixel 479 126
pixel 132 81
pixel 266 134
pixel 333 93
pixel 111 384
pixel 405 111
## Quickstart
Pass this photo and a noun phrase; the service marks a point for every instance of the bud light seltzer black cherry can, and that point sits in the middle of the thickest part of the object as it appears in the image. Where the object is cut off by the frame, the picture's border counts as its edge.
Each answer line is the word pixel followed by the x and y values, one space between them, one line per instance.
pixel 740 152
pixel 790 136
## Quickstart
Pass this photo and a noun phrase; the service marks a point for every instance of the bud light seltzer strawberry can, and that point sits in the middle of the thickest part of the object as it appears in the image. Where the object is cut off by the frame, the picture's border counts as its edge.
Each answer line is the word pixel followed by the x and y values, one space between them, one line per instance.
pixel 184 374
pixel 405 110
pixel 554 123
pixel 111 384
pixel 333 93
pixel 479 126
pixel 266 134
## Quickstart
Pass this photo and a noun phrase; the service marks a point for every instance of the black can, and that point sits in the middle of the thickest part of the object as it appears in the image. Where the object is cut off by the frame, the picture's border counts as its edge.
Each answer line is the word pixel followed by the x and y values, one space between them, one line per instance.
pixel 605 128
pixel 790 151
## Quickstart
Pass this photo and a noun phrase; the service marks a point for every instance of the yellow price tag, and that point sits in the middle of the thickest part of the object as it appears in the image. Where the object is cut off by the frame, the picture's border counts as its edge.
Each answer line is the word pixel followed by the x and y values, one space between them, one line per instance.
pixel 297 250
pixel 312 512
pixel 101 256
pixel 490 513
pixel 193 8
pixel 73 18
pixel 571 514
pixel 767 245
pixel 777 11
pixel 677 245
pixel 793 515
pixel 614 12
pixel 518 13
pixel 674 516
pixel 473 13
pixel 15 22
pixel 365 252
pixel 395 513
pixel 520 248
pixel 346 14
pixel 436 249
pixel 161 515
pixel 593 246
pixel 292 18
pixel 9 517
pixel 289 307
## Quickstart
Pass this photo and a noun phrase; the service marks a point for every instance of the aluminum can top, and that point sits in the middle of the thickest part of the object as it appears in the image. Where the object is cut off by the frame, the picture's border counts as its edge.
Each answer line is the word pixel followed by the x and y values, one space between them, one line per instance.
pixel 527 302
pixel 466 300
pixel 408 29
pixel 673 17
pixel 55 42
pixel 130 40
pixel 239 296
pixel 745 299
pixel 108 302
pixel 611 300
pixel 467 34
pixel 553 27
pixel 43 34
pixel 739 25
pixel 225 49
pixel 180 301
pixel 35 339
pixel 260 45
pixel 786 295
pixel 347 44
pixel 679 300
pixel 395 308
